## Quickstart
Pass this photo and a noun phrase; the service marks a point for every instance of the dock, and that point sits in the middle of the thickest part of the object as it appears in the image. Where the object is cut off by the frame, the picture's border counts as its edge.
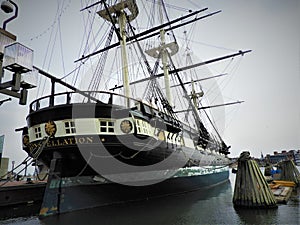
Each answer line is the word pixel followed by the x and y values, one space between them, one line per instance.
pixel 21 192
pixel 282 190
pixel 285 182
pixel 251 188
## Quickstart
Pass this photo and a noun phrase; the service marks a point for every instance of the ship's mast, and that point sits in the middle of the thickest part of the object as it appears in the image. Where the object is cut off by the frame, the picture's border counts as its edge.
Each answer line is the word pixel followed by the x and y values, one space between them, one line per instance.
pixel 164 58
pixel 163 51
pixel 122 26
pixel 194 95
pixel 116 14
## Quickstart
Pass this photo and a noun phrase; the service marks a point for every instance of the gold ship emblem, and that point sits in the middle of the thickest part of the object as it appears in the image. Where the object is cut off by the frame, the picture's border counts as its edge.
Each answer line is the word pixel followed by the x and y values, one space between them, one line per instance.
pixel 50 128
pixel 25 140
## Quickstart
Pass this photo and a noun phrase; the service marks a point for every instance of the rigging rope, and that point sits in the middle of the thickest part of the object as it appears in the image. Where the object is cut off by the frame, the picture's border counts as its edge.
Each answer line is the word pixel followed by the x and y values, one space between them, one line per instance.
pixel 201 128
pixel 166 14
pixel 61 47
pixel 115 58
pixel 95 81
pixel 56 28
pixel 164 101
pixel 84 46
pixel 57 18
pixel 171 6
pixel 207 44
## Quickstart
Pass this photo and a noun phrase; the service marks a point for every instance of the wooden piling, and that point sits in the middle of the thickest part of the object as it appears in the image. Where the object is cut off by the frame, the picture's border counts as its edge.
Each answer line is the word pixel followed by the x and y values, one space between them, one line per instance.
pixel 289 172
pixel 251 189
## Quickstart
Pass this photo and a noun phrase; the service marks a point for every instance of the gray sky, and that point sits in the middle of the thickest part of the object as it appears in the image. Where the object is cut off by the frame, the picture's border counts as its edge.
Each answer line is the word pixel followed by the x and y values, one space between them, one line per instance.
pixel 267 79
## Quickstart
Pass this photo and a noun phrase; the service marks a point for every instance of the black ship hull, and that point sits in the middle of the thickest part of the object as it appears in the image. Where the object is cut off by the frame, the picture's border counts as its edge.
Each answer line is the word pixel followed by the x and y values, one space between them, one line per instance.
pixel 84 134
pixel 77 159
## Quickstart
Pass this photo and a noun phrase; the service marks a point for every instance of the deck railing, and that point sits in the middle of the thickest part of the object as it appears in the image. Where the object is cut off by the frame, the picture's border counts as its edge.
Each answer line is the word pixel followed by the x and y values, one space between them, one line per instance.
pixel 67 98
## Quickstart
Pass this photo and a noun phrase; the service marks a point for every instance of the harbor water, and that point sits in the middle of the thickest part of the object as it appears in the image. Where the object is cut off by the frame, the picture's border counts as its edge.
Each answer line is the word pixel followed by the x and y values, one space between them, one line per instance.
pixel 209 206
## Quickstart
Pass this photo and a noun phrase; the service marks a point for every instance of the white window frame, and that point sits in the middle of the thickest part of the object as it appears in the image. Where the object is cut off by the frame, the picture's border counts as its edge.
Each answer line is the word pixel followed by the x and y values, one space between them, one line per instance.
pixel 38 132
pixel 70 127
pixel 107 126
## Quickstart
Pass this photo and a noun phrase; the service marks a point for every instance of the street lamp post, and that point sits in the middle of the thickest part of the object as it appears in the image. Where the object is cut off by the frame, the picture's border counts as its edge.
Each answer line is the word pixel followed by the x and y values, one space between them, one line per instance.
pixel 6 6
pixel 15 58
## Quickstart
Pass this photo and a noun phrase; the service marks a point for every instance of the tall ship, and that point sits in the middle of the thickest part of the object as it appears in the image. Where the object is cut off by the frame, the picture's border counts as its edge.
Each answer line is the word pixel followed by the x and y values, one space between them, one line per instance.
pixel 137 126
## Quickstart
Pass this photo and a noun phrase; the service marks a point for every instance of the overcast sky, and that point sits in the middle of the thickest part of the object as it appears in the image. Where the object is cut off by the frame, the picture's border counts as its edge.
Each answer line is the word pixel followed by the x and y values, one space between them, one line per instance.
pixel 267 79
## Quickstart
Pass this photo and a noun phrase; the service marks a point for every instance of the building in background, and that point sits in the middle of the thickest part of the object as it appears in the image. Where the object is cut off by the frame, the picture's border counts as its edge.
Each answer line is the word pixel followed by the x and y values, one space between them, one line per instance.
pixel 284 155
pixel 4 168
pixel 3 161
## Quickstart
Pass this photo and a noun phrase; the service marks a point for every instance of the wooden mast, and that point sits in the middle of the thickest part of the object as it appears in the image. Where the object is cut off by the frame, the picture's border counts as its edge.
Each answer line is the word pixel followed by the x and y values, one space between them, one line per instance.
pixel 162 51
pixel 122 25
pixel 164 58
pixel 121 13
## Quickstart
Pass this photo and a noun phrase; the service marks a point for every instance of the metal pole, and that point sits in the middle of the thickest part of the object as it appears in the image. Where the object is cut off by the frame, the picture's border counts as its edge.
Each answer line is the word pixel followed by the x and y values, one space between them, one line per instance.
pixel 12 168
pixel 13 17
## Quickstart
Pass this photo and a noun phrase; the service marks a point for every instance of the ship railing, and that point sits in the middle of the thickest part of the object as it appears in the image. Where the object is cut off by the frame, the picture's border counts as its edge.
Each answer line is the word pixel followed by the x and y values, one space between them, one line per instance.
pixel 68 98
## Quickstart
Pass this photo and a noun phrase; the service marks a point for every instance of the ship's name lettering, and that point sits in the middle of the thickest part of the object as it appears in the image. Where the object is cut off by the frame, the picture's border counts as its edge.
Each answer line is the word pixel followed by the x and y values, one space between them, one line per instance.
pixel 63 142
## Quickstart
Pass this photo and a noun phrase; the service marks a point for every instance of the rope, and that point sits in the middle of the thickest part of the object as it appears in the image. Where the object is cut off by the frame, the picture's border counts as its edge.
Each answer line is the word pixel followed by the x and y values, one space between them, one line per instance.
pixel 166 14
pixel 166 105
pixel 59 12
pixel 84 46
pixel 41 179
pixel 96 79
pixel 208 45
pixel 57 18
pixel 36 154
pixel 96 156
pixel 61 47
pixel 171 6
pixel 36 171
pixel 245 156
